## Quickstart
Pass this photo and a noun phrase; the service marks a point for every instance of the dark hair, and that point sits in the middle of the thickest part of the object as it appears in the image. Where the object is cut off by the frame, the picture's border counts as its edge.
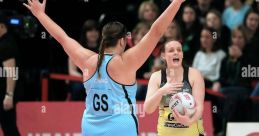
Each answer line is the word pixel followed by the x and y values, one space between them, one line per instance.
pixel 190 6
pixel 111 33
pixel 243 1
pixel 216 12
pixel 215 45
pixel 196 21
pixel 247 14
pixel 88 25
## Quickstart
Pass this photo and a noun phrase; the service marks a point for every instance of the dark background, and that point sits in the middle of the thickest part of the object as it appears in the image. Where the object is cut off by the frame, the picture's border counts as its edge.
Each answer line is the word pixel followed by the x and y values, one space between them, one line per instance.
pixel 39 54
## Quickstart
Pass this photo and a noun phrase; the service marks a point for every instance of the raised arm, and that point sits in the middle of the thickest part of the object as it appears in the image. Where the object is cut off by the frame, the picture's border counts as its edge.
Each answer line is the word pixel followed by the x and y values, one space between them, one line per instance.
pixel 75 51
pixel 135 57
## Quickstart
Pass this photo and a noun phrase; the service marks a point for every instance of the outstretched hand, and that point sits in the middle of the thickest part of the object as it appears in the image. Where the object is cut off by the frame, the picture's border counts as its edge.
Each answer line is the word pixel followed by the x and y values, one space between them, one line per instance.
pixel 35 6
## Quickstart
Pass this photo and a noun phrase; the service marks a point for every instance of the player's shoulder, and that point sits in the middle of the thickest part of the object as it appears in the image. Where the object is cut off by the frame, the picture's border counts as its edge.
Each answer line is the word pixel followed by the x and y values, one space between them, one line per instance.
pixel 194 72
pixel 155 78
pixel 156 74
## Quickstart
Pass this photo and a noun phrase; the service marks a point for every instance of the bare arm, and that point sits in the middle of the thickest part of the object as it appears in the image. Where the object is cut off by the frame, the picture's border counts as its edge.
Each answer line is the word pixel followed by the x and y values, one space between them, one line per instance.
pixel 75 51
pixel 155 93
pixel 10 84
pixel 72 69
pixel 153 96
pixel 198 92
pixel 136 56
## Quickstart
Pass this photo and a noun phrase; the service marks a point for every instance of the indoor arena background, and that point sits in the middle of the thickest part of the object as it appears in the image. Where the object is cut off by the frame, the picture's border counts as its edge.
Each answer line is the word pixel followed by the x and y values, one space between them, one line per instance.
pixel 50 98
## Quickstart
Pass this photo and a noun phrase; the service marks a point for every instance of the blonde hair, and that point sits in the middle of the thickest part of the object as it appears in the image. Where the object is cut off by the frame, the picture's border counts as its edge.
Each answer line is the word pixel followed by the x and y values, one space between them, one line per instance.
pixel 143 6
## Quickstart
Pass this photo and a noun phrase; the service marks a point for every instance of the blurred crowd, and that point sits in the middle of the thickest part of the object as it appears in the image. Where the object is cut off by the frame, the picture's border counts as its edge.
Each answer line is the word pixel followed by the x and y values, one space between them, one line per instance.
pixel 219 38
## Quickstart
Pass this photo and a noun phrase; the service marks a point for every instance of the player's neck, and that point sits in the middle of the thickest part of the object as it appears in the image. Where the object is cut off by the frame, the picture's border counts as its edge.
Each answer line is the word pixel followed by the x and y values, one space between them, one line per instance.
pixel 176 74
pixel 112 50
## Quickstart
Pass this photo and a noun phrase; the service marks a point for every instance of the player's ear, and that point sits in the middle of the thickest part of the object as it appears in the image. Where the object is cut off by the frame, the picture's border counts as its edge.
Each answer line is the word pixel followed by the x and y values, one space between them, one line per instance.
pixel 122 40
pixel 162 55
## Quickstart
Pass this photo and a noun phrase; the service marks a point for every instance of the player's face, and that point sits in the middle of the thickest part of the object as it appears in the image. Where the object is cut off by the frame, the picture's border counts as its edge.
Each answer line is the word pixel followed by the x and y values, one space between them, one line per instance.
pixel 173 54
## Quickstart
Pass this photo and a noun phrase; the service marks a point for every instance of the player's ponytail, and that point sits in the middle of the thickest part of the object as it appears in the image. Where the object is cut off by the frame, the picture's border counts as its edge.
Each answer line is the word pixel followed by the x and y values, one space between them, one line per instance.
pixel 100 57
pixel 111 33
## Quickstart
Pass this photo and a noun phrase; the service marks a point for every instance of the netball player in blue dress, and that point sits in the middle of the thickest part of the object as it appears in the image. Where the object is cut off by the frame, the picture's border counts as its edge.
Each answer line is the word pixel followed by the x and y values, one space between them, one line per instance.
pixel 110 76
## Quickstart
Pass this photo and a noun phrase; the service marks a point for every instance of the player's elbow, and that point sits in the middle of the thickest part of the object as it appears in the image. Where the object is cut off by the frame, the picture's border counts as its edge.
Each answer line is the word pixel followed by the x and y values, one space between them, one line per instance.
pixel 199 111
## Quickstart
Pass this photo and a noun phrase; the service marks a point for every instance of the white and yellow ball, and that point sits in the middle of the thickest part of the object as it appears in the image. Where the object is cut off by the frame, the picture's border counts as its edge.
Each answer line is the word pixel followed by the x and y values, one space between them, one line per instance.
pixel 182 100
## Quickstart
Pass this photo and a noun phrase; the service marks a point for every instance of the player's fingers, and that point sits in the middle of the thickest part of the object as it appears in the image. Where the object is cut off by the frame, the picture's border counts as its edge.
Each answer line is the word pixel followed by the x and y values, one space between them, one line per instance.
pixel 178 83
pixel 27 6
pixel 177 86
pixel 29 2
pixel 176 114
pixel 172 92
pixel 185 111
pixel 6 107
pixel 44 2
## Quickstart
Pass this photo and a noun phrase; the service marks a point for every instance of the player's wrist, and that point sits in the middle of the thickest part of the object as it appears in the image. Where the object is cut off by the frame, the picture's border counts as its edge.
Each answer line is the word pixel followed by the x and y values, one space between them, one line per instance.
pixel 161 92
pixel 9 94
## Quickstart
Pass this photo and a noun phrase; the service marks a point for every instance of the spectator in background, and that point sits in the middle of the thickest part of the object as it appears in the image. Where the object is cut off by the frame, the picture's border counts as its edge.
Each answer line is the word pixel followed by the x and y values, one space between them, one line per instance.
pixel 148 12
pixel 228 3
pixel 231 83
pixel 209 58
pixel 89 39
pixel 139 31
pixel 233 15
pixel 223 34
pixel 190 27
pixel 203 7
pixel 231 80
pixel 90 35
pixel 251 27
pixel 8 54
pixel 251 23
pixel 173 32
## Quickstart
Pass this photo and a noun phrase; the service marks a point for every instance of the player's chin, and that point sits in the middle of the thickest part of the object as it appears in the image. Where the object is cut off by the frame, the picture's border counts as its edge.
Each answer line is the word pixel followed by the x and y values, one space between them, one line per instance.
pixel 176 65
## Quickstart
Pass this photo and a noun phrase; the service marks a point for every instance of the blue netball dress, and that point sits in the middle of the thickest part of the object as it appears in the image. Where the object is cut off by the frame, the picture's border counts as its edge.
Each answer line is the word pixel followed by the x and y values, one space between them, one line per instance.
pixel 110 106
